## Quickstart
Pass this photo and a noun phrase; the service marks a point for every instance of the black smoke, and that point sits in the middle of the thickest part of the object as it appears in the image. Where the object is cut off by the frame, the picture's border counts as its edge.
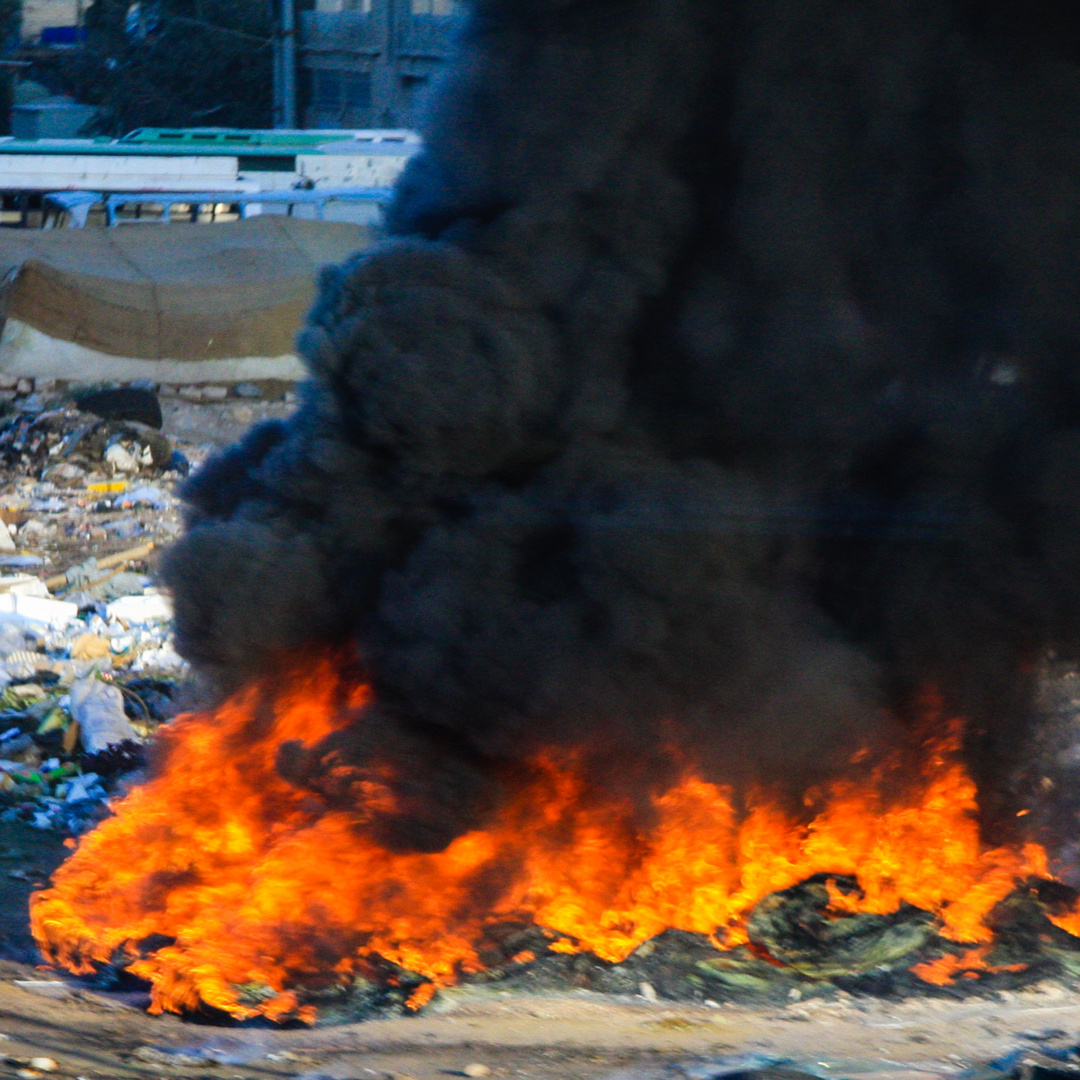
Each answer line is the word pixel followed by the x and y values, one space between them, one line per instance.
pixel 718 386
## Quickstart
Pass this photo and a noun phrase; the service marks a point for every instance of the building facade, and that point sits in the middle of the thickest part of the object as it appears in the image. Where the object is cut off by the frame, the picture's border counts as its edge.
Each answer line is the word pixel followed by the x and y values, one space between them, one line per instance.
pixel 370 63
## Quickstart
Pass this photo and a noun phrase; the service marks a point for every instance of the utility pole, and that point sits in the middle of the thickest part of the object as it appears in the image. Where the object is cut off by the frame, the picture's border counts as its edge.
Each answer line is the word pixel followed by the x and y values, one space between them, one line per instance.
pixel 275 65
pixel 285 66
pixel 288 63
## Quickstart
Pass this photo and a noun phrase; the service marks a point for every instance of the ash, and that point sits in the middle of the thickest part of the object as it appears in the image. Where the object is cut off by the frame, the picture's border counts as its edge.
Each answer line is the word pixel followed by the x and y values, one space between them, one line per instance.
pixel 716 387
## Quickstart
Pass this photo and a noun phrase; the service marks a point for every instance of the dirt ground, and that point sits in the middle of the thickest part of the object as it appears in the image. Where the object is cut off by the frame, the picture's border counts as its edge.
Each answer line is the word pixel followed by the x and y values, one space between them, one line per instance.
pixel 220 423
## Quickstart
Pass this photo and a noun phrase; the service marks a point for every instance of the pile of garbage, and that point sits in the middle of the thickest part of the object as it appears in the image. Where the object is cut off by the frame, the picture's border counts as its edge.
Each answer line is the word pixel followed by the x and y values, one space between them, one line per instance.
pixel 87 664
pixel 84 683
pixel 85 475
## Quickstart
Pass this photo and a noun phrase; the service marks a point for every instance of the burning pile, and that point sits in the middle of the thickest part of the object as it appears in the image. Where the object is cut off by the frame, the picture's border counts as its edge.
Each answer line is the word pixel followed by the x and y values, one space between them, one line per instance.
pixel 714 394
pixel 224 885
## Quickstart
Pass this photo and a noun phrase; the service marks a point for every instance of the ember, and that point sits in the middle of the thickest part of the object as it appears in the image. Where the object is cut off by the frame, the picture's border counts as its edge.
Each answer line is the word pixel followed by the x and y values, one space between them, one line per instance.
pixel 222 884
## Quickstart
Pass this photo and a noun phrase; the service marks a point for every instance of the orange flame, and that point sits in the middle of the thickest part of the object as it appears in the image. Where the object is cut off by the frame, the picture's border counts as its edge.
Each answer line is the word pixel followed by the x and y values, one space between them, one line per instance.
pixel 970 965
pixel 220 883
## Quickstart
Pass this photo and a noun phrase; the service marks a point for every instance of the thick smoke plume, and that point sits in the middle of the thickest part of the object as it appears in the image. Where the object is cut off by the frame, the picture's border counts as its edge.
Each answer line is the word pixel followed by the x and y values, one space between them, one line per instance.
pixel 718 388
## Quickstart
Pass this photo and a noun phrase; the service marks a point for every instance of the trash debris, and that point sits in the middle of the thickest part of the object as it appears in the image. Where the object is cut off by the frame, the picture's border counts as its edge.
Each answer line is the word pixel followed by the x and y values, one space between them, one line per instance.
pixel 82 787
pixel 89 571
pixel 121 459
pixel 23 583
pixel 37 611
pixel 98 708
pixel 143 496
pixel 48 506
pixel 165 660
pixel 34 531
pixel 123 403
pixel 88 668
pixel 21 560
pixel 89 647
pixel 140 610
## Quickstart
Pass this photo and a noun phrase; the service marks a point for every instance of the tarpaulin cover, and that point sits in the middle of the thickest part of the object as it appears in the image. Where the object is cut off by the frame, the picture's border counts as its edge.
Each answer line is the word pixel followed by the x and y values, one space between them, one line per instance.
pixel 181 292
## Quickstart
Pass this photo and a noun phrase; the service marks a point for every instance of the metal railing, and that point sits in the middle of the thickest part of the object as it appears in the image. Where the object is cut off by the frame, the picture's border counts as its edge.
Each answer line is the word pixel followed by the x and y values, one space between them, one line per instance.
pixel 78 204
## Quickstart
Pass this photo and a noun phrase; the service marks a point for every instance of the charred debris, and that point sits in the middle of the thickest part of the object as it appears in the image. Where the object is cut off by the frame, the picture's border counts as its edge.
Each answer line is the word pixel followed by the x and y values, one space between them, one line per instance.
pixel 798 952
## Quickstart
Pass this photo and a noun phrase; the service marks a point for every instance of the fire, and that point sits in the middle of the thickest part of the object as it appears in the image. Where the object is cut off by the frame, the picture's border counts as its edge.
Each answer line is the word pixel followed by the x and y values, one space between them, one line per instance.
pixel 970 965
pixel 220 883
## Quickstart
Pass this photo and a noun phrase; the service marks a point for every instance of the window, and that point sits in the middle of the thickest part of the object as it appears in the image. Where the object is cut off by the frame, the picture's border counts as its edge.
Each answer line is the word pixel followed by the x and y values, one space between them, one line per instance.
pixel 356 90
pixel 336 92
pixel 412 86
pixel 326 90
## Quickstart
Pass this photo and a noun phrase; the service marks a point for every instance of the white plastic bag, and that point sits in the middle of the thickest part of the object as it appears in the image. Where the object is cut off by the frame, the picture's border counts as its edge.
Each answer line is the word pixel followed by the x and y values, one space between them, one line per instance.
pixel 98 708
